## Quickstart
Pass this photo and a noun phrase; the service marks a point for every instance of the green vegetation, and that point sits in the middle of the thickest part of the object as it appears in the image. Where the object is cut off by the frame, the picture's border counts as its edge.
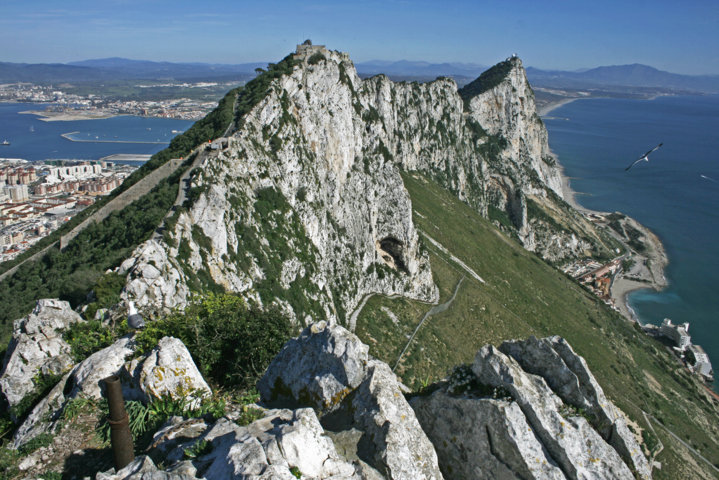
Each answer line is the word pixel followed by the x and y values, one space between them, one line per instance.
pixel 145 419
pixel 316 58
pixel 524 296
pixel 256 89
pixel 86 338
pixel 486 81
pixel 231 343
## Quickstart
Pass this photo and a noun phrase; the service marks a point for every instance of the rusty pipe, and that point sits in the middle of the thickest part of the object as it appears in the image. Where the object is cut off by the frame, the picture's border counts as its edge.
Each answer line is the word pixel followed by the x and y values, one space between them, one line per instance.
pixel 120 436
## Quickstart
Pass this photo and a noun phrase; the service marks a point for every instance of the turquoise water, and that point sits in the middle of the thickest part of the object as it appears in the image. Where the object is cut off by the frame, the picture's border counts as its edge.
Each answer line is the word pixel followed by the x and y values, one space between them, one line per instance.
pixel 32 139
pixel 676 194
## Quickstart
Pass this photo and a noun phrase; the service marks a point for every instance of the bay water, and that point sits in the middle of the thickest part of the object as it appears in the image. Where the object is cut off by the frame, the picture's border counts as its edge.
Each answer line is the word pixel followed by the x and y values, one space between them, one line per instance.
pixel 36 140
pixel 675 194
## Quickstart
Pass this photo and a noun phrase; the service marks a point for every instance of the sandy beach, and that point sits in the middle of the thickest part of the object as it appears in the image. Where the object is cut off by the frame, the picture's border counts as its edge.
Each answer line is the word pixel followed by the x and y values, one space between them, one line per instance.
pixel 546 109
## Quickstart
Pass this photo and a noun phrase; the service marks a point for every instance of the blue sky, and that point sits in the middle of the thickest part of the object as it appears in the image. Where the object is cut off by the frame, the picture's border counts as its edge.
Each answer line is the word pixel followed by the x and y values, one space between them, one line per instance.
pixel 680 37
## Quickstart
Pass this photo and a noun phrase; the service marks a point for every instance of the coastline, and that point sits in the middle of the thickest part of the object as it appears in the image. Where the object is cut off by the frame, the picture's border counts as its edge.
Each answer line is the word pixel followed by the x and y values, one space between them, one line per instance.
pixel 648 271
pixel 545 109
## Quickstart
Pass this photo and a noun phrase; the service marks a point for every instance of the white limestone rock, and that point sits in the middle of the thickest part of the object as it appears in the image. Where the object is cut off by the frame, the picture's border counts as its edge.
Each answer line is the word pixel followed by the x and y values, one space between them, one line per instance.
pixel 154 281
pixel 568 375
pixel 168 370
pixel 401 448
pixel 574 445
pixel 84 379
pixel 318 368
pixel 37 348
pixel 266 449
pixel 482 438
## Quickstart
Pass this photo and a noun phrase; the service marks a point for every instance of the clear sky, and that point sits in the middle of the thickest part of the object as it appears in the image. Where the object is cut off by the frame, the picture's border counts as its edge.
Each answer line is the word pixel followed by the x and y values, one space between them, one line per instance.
pixel 677 36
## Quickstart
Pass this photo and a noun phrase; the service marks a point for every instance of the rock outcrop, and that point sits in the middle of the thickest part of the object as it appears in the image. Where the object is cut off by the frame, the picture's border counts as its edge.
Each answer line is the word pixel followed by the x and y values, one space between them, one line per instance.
pixel 360 399
pixel 37 349
pixel 518 423
pixel 570 378
pixel 304 206
pixel 167 371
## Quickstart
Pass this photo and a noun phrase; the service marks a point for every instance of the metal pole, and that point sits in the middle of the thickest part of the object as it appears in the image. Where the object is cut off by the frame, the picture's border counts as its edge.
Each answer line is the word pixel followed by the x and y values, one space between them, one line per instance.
pixel 120 436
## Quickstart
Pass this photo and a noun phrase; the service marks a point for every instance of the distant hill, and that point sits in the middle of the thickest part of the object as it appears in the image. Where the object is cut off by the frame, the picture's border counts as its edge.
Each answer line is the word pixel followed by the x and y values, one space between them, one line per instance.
pixel 635 75
pixel 106 69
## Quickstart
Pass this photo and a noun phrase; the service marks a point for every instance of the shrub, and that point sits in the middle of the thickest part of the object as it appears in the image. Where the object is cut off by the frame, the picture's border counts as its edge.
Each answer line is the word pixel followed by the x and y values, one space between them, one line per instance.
pixel 230 342
pixel 316 58
pixel 86 338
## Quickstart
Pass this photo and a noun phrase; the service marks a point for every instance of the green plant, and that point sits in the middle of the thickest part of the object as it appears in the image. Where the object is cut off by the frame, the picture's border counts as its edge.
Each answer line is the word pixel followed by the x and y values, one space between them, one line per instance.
pixel 75 406
pixel 39 441
pixel 9 459
pixel 230 342
pixel 296 472
pixel 86 338
pixel 51 476
pixel 316 58
pixel 198 449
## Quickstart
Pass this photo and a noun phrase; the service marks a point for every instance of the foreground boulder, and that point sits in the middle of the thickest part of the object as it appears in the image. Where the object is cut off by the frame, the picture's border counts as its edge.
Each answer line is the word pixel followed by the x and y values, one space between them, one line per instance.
pixel 168 370
pixel 483 437
pixel 317 369
pixel 84 379
pixel 328 368
pixel 576 447
pixel 495 419
pixel 569 377
pixel 37 349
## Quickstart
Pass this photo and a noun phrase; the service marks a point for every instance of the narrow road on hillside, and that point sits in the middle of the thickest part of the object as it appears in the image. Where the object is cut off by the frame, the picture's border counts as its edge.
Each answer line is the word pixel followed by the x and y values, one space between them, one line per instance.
pixel 432 311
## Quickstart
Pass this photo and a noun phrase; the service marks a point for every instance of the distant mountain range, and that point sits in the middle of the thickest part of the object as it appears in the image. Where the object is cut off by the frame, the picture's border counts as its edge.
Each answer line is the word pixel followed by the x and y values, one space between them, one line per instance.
pixel 108 69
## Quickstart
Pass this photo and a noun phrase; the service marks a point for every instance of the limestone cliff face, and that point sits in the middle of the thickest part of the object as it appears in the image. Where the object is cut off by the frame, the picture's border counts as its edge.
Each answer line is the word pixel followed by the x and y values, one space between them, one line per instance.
pixel 304 205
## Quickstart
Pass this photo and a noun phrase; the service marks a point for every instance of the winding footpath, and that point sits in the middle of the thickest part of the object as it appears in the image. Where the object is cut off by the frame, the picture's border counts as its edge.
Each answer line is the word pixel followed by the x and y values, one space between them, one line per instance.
pixel 432 311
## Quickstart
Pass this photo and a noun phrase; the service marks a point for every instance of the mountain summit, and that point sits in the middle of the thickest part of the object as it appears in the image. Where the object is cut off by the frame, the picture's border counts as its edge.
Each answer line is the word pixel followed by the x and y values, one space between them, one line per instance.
pixel 304 204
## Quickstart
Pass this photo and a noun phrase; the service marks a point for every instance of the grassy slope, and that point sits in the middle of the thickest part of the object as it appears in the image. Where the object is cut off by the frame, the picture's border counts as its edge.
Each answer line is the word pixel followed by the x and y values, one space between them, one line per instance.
pixel 523 296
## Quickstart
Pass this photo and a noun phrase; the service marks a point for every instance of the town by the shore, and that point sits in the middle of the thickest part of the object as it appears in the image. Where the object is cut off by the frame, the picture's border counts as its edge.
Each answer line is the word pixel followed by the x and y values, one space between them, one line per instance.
pixel 648 268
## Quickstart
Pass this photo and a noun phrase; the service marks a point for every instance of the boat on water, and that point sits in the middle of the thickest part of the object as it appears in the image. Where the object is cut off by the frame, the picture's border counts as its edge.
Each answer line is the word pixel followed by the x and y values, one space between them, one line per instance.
pixel 5 143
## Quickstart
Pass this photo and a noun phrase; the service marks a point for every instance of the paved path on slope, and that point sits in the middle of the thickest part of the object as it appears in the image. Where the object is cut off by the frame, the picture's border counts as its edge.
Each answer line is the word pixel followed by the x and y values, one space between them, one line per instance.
pixel 432 311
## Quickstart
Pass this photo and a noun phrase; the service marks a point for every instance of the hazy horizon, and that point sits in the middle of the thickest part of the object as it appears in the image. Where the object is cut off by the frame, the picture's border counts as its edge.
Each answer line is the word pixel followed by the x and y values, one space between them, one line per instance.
pixel 560 35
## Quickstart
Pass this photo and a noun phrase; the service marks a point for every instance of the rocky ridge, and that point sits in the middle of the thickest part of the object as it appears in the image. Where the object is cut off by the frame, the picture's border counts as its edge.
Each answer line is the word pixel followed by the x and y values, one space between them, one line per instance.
pixel 304 205
pixel 331 411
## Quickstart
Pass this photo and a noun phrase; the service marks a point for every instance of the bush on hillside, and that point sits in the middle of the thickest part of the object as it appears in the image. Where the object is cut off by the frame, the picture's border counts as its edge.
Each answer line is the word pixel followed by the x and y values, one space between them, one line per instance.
pixel 231 343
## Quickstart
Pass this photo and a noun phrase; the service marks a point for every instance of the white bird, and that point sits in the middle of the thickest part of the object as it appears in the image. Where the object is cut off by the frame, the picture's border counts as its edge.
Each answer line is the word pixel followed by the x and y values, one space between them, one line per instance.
pixel 644 157
pixel 134 319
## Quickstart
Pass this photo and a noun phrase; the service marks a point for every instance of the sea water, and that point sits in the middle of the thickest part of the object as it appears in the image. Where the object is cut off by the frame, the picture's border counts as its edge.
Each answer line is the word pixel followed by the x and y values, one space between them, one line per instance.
pixel 675 194
pixel 33 139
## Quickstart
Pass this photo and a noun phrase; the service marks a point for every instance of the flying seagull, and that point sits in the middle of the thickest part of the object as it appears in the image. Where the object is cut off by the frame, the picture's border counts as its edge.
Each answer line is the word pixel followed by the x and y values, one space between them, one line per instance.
pixel 134 319
pixel 644 157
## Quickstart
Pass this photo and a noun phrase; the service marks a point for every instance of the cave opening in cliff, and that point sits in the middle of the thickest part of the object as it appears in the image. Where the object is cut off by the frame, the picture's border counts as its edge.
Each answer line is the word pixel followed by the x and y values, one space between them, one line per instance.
pixel 391 251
